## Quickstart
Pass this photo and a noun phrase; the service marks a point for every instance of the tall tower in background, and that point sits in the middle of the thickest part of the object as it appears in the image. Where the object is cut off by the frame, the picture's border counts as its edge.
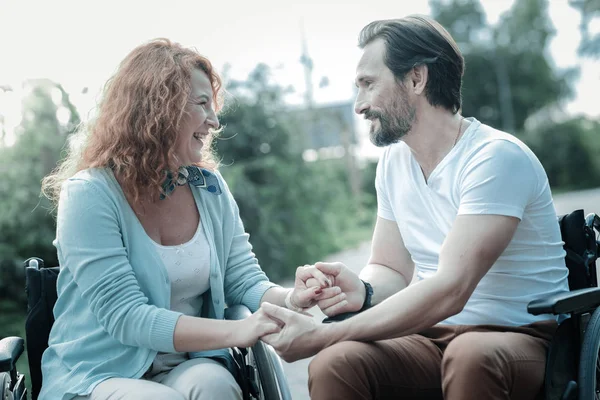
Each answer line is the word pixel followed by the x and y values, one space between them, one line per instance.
pixel 307 62
pixel 329 128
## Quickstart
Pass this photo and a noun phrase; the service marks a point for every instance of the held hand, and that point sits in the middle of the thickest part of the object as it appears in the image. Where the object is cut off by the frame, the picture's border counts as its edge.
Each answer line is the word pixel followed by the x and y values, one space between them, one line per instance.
pixel 299 338
pixel 307 295
pixel 254 327
pixel 353 290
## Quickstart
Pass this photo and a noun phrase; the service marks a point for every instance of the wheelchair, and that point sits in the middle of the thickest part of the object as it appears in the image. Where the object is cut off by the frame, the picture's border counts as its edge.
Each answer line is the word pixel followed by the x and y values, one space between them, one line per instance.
pixel 572 364
pixel 259 370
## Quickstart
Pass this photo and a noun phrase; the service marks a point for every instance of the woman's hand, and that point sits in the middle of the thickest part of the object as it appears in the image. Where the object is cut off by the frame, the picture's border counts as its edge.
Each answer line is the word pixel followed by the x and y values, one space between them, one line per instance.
pixel 319 287
pixel 253 328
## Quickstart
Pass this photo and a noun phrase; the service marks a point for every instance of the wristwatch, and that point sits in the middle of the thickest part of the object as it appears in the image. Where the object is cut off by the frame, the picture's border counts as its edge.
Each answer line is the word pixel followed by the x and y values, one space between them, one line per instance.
pixel 367 304
pixel 368 296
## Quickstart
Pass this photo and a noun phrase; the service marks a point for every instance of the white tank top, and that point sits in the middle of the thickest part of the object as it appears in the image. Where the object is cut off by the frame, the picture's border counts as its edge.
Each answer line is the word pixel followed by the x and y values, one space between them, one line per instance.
pixel 188 267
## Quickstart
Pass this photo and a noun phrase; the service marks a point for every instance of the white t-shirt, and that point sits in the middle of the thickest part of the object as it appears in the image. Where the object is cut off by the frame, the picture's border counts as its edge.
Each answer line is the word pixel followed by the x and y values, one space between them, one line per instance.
pixel 487 172
pixel 188 267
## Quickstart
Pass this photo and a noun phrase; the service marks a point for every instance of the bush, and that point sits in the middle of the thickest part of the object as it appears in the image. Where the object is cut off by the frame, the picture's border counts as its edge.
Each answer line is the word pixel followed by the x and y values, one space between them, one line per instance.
pixel 569 153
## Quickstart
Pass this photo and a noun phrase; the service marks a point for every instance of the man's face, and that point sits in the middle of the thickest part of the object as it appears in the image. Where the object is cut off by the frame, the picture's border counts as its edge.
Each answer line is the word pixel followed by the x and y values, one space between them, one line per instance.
pixel 381 99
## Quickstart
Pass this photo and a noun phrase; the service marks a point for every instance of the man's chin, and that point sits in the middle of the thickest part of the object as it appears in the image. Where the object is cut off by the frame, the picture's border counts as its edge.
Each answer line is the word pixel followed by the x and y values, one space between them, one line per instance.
pixel 378 139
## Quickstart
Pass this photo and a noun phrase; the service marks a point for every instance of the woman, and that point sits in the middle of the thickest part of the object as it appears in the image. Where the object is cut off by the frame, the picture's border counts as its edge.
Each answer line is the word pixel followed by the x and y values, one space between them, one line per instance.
pixel 151 245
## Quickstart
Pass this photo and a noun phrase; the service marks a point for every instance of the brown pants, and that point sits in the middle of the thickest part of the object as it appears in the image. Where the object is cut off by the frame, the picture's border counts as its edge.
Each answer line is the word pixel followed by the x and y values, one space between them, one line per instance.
pixel 448 362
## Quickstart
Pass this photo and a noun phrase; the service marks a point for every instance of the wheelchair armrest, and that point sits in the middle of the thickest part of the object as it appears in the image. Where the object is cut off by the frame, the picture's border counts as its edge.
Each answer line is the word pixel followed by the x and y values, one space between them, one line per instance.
pixel 236 312
pixel 11 349
pixel 576 301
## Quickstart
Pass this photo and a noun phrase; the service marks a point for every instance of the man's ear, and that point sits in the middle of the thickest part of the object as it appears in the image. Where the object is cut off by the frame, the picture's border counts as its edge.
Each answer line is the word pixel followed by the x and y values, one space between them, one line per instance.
pixel 418 78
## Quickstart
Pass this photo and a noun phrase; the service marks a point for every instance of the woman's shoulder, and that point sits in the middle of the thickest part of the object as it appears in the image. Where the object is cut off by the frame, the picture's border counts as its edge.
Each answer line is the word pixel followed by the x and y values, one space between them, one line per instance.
pixel 95 181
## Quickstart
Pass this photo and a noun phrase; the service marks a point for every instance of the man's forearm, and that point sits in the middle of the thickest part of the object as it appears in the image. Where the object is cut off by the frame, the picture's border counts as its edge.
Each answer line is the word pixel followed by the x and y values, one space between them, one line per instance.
pixel 409 311
pixel 385 281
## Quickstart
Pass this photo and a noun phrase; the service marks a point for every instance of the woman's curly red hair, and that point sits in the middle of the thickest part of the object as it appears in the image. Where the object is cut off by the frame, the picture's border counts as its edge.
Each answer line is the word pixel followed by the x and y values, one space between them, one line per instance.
pixel 139 118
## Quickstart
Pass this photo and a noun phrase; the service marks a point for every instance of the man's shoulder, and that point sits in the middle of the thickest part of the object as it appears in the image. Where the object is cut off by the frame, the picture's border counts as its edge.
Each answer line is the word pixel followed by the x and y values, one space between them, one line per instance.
pixel 489 141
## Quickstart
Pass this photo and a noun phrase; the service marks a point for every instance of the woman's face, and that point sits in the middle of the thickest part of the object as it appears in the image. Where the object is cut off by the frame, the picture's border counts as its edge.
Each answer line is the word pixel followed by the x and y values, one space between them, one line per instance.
pixel 199 117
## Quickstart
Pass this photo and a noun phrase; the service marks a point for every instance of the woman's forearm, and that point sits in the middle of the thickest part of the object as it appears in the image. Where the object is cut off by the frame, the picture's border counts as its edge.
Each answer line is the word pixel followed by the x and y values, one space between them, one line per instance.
pixel 275 295
pixel 198 334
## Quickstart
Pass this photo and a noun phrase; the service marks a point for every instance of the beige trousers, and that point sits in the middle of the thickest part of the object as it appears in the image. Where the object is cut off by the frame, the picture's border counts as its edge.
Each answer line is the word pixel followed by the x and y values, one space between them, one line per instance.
pixel 191 379
pixel 445 362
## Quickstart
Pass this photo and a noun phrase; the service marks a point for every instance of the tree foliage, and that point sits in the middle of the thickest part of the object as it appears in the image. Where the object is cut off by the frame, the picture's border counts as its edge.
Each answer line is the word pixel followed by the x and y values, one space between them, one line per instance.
pixel 569 152
pixel 295 212
pixel 26 226
pixel 590 11
pixel 509 75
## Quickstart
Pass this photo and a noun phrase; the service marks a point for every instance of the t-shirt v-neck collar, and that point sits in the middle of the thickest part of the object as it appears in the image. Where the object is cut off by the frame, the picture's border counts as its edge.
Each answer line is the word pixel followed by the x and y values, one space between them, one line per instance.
pixel 448 157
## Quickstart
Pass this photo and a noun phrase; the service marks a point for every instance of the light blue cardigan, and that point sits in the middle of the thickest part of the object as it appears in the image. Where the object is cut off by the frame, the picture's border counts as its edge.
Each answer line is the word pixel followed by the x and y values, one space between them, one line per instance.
pixel 113 313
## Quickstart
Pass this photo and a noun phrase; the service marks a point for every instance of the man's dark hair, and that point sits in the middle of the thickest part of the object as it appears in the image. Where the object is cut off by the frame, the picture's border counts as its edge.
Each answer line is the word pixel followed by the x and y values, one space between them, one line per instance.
pixel 417 40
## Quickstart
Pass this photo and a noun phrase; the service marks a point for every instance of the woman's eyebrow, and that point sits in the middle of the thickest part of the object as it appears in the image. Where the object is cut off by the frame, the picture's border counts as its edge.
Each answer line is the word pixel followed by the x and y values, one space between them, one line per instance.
pixel 201 97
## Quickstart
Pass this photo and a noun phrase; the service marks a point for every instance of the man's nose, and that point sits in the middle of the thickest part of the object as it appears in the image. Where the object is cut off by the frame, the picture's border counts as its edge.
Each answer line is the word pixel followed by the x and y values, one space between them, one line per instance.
pixel 360 106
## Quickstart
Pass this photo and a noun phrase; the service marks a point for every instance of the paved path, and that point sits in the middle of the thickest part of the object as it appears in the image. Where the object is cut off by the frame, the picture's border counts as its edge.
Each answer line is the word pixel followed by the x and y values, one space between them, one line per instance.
pixel 356 258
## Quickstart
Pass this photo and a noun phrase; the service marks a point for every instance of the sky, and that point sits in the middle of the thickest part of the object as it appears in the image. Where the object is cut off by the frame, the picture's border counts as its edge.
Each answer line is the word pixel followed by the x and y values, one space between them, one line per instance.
pixel 79 43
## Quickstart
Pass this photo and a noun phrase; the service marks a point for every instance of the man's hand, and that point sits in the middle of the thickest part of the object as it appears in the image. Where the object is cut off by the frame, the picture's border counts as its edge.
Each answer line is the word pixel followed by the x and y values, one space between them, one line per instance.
pixel 353 290
pixel 300 337
pixel 253 328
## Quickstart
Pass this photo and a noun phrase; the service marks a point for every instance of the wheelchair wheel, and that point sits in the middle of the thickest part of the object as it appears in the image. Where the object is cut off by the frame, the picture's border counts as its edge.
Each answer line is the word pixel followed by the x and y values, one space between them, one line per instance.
pixel 589 364
pixel 5 393
pixel 269 387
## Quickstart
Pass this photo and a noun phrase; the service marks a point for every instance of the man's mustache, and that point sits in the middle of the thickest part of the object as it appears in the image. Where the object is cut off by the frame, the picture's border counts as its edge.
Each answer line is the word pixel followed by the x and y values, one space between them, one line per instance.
pixel 372 114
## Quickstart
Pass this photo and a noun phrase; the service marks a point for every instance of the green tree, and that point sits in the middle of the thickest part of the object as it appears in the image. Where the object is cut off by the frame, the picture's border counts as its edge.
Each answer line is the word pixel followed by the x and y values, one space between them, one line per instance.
pixel 568 150
pixel 509 75
pixel 295 212
pixel 26 226
pixel 590 11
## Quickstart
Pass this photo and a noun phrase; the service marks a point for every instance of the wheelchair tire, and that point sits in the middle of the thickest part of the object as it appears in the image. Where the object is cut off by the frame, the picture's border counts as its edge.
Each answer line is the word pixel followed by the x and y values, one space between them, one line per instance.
pixel 284 388
pixel 269 386
pixel 5 393
pixel 589 369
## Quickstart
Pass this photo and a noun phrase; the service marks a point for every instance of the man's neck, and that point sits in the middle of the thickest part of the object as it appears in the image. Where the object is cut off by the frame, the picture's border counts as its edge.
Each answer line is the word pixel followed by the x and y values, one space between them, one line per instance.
pixel 433 135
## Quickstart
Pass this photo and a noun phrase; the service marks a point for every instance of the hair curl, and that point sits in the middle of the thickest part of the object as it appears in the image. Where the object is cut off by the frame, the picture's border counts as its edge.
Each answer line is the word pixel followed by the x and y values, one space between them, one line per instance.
pixel 138 120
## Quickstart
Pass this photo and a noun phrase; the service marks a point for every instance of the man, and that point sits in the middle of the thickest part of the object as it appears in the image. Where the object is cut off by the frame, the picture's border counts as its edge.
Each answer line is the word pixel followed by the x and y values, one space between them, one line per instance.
pixel 466 207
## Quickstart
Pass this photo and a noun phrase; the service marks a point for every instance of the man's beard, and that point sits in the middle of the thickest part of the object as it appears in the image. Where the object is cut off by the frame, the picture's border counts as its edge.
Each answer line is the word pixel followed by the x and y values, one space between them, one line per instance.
pixel 395 121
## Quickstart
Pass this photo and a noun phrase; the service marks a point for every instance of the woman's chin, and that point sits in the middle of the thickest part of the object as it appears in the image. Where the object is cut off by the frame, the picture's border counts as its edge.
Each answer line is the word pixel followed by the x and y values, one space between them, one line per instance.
pixel 191 158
